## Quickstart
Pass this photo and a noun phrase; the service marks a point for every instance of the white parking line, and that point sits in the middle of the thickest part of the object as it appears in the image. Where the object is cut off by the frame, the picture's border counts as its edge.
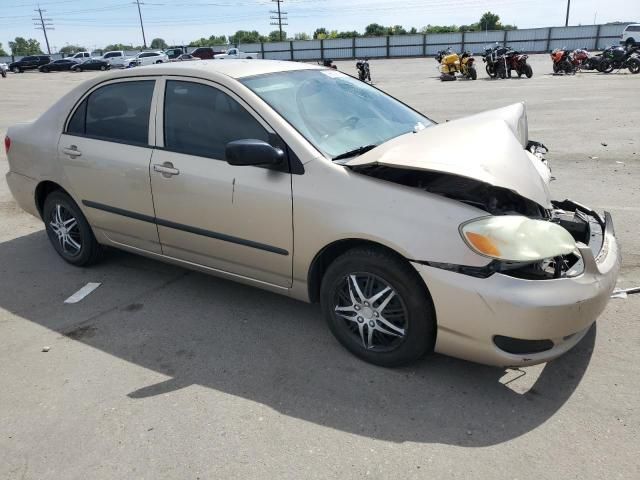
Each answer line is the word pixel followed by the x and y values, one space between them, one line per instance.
pixel 83 292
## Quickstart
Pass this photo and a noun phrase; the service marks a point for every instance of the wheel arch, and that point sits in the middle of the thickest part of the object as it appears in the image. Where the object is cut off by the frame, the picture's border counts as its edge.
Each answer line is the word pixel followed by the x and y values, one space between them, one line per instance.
pixel 43 189
pixel 330 252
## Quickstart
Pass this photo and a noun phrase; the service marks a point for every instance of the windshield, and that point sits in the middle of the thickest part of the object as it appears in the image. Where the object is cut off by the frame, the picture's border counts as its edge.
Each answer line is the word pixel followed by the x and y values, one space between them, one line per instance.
pixel 335 112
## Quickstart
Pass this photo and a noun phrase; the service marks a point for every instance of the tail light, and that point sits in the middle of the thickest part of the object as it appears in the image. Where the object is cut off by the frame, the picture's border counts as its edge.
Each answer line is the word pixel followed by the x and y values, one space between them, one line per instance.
pixel 7 144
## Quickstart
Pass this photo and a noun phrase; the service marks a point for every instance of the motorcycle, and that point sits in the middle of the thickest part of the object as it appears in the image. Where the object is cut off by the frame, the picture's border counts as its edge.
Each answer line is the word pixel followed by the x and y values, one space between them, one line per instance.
pixel 502 60
pixel 3 70
pixel 452 63
pixel 617 58
pixel 328 63
pixel 562 61
pixel 364 72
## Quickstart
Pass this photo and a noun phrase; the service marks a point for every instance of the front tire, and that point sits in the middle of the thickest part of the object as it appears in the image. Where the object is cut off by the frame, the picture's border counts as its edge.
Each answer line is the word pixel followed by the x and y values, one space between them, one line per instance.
pixel 68 230
pixel 377 307
pixel 103 68
pixel 634 65
pixel 528 70
pixel 473 74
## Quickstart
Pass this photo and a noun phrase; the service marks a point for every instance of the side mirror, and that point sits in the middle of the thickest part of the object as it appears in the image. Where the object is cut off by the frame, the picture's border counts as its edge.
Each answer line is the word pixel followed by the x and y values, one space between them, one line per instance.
pixel 250 152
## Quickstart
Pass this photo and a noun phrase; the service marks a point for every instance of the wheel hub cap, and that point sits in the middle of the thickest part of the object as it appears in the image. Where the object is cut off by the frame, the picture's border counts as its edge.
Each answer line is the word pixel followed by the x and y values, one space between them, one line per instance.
pixel 65 227
pixel 372 310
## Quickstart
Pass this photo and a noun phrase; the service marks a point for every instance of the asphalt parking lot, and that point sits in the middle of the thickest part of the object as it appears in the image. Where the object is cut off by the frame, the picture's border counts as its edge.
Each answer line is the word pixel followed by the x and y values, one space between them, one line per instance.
pixel 166 373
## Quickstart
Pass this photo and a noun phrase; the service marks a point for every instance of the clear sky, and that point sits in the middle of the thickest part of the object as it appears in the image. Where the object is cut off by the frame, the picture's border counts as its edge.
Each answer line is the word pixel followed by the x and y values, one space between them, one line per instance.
pixel 96 23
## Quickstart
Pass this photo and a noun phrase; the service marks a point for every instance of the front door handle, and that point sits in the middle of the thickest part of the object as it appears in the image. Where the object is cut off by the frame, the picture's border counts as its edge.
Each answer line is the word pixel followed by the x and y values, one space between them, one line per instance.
pixel 166 169
pixel 72 151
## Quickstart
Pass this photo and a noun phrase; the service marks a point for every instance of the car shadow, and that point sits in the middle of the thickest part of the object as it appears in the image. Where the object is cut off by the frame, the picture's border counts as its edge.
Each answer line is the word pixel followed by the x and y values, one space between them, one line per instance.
pixel 200 330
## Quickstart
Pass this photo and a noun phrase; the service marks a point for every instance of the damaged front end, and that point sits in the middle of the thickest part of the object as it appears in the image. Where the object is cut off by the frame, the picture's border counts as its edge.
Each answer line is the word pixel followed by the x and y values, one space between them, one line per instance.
pixel 585 226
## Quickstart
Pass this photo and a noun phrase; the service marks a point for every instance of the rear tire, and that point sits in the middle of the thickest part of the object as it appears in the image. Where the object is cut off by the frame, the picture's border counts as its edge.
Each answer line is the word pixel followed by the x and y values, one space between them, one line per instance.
pixel 473 73
pixel 68 230
pixel 391 329
pixel 103 68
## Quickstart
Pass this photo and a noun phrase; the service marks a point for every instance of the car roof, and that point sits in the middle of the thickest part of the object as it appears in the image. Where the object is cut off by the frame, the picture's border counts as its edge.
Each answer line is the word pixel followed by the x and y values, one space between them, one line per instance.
pixel 231 68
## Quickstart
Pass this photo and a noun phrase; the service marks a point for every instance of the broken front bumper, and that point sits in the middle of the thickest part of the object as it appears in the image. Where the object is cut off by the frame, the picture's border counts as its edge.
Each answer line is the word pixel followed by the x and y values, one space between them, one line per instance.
pixel 540 319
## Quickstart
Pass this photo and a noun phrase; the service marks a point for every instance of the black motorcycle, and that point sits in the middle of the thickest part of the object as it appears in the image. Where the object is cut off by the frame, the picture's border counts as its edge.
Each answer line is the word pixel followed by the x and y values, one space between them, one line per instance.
pixel 364 72
pixel 617 58
pixel 497 62
pixel 327 62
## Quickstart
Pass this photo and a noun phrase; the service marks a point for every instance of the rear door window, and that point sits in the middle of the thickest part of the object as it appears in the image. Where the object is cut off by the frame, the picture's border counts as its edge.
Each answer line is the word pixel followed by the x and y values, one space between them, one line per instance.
pixel 200 120
pixel 118 112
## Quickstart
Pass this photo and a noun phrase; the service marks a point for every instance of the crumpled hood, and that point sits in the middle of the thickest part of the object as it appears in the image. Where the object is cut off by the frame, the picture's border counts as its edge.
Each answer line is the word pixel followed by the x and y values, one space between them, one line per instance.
pixel 488 147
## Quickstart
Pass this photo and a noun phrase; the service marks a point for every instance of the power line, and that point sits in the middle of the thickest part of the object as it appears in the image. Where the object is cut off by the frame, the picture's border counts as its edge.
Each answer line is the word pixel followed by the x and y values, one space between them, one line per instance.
pixel 43 24
pixel 279 16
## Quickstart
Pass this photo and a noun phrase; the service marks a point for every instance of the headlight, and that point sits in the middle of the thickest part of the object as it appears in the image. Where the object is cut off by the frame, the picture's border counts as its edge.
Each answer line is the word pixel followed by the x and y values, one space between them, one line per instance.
pixel 516 238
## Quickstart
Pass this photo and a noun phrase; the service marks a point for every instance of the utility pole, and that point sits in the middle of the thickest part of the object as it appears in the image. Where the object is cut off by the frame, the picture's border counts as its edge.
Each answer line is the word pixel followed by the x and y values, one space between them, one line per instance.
pixel 43 24
pixel 279 16
pixel 566 23
pixel 144 40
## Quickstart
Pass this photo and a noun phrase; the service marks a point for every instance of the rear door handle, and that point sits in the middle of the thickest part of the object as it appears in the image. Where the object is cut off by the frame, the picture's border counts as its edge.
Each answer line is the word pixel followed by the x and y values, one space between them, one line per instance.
pixel 166 169
pixel 72 151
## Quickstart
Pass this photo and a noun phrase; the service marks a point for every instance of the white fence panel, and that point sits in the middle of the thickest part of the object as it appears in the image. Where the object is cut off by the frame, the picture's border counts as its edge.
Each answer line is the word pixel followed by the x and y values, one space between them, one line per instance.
pixel 249 47
pixel 612 30
pixel 275 46
pixel 444 39
pixel 371 42
pixel 434 49
pixel 307 54
pixel 371 52
pixel 406 51
pixel 529 46
pixel 527 34
pixel 338 43
pixel 285 55
pixel 412 40
pixel 484 38
pixel 574 32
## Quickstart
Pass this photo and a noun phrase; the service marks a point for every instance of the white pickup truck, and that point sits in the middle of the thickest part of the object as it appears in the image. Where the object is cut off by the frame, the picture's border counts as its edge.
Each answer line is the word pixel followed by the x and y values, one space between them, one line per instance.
pixel 117 58
pixel 235 53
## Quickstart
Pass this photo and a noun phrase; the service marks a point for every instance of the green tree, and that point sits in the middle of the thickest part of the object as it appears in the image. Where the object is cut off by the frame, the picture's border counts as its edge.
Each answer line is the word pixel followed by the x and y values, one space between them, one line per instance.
pixel 320 33
pixel 397 30
pixel 490 21
pixel 375 30
pixel 209 42
pixel 71 49
pixel 245 36
pixel 275 36
pixel 413 31
pixel 22 46
pixel 3 52
pixel 301 36
pixel 159 44
pixel 347 34
pixel 439 29
pixel 118 46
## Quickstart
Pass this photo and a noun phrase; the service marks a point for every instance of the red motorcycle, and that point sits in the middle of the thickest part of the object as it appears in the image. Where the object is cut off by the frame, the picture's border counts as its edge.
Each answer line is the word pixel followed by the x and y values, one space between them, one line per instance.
pixel 517 61
pixel 565 61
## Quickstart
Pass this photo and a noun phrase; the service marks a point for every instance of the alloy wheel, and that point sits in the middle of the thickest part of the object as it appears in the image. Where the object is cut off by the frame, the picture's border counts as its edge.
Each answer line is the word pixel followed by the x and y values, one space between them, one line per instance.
pixel 66 229
pixel 372 311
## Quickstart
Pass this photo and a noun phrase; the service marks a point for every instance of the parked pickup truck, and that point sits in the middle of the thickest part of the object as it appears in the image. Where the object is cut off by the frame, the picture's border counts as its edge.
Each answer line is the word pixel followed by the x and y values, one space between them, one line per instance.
pixel 117 58
pixel 235 53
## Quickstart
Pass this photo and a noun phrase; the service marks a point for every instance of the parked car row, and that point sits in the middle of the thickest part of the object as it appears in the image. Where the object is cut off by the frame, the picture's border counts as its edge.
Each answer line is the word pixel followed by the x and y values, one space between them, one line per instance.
pixel 119 59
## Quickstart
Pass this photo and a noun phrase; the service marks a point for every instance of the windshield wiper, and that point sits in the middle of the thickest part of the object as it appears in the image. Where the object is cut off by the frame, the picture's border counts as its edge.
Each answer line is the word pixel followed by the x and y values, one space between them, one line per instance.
pixel 355 152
